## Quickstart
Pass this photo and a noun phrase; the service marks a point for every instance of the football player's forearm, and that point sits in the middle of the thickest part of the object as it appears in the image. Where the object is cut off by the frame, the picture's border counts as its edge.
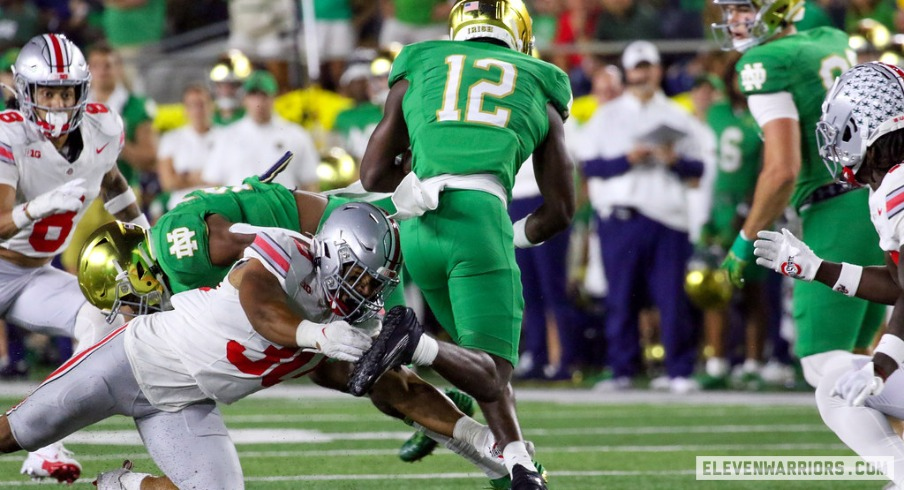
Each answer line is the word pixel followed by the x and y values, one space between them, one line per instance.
pixel 773 192
pixel 7 227
pixel 876 284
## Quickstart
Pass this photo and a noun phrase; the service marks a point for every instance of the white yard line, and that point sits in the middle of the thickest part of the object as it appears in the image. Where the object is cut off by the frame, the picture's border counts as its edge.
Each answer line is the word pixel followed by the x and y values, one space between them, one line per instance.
pixel 558 395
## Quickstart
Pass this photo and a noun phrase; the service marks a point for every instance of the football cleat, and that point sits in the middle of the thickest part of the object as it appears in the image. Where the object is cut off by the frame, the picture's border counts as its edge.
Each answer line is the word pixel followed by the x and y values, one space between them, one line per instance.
pixel 419 445
pixel 505 483
pixel 525 479
pixel 53 461
pixel 392 348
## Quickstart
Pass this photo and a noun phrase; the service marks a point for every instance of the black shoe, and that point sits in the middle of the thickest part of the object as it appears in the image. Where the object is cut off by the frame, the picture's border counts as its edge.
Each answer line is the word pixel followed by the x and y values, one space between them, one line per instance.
pixel 525 479
pixel 392 348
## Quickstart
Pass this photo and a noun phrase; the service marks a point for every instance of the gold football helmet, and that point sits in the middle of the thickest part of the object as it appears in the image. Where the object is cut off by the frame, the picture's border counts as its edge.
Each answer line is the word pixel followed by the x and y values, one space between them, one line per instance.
pixel 113 270
pixel 336 169
pixel 707 286
pixel 505 20
pixel 771 17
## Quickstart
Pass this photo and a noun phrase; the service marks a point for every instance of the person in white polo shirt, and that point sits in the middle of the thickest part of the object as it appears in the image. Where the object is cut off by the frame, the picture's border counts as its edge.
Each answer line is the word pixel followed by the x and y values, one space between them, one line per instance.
pixel 646 160
pixel 250 145
pixel 182 152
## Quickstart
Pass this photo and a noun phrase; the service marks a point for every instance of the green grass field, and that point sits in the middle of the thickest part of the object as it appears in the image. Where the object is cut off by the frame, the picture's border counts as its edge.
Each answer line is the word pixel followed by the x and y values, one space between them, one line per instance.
pixel 319 441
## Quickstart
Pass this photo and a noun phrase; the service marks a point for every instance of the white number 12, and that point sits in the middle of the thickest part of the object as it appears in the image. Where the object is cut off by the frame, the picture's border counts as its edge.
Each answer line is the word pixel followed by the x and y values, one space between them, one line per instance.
pixel 474 113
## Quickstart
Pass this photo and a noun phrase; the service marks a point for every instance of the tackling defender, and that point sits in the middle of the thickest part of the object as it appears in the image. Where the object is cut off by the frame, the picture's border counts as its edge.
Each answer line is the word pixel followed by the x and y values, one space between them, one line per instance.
pixel 785 76
pixel 57 154
pixel 268 321
pixel 472 110
pixel 191 246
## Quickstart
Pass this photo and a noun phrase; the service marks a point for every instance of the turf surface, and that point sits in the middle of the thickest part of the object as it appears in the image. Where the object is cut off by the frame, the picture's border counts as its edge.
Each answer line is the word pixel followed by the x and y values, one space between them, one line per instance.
pixel 327 442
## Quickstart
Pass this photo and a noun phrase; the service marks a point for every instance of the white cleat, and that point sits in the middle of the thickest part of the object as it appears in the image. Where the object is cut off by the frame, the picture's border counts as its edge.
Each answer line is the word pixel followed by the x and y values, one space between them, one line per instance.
pixel 53 461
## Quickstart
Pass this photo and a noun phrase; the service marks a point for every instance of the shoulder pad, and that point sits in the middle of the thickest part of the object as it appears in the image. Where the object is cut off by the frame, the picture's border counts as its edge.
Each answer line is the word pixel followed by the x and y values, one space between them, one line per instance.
pixel 14 129
pixel 103 120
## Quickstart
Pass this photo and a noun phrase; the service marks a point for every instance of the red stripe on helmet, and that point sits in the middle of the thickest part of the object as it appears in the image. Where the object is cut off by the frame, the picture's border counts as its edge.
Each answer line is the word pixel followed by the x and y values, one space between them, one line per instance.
pixel 57 52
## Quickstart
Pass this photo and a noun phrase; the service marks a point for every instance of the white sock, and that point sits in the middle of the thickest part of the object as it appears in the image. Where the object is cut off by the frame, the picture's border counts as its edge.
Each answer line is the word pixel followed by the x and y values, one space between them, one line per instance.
pixel 471 431
pixel 751 366
pixel 516 453
pixel 717 367
pixel 491 467
pixel 863 429
pixel 426 351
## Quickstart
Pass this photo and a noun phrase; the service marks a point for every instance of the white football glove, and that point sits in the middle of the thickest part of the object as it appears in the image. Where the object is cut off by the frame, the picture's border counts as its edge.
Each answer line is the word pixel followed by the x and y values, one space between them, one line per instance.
pixel 67 197
pixel 858 384
pixel 337 340
pixel 786 254
pixel 371 327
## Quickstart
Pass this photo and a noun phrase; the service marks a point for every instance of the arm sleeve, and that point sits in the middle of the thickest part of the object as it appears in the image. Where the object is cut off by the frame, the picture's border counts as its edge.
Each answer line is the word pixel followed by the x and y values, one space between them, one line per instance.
pixel 399 68
pixel 688 168
pixel 558 88
pixel 9 172
pixel 606 167
pixel 769 107
pixel 272 250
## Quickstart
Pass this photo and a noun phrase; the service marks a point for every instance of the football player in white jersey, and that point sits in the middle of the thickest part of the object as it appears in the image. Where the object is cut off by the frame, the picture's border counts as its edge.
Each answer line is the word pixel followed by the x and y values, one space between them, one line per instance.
pixel 273 318
pixel 57 154
pixel 861 137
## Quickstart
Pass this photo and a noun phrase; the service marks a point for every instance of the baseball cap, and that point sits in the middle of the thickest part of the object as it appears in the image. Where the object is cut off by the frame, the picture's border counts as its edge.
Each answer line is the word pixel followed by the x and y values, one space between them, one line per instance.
pixel 639 52
pixel 260 81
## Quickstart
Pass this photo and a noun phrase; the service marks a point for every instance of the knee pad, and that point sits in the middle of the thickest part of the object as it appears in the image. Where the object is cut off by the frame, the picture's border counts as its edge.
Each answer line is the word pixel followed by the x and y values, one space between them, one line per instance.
pixel 817 365
pixel 91 326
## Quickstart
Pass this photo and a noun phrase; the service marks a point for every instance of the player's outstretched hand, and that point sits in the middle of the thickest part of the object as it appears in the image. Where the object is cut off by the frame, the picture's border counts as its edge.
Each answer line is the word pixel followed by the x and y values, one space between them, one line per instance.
pixel 786 254
pixel 65 198
pixel 337 340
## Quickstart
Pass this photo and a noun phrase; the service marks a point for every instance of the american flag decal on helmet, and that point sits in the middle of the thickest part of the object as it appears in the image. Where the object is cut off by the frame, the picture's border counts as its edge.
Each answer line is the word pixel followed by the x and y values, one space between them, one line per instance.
pixel 894 202
pixel 470 6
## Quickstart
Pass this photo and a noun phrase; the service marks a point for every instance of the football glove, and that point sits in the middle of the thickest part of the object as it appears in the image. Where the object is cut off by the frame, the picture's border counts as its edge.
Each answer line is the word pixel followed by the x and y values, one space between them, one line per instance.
pixel 337 340
pixel 65 198
pixel 786 254
pixel 858 384
pixel 738 257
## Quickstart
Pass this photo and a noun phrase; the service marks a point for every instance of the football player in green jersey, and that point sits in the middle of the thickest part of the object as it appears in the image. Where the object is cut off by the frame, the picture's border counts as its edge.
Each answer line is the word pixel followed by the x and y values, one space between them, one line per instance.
pixel 472 110
pixel 785 76
pixel 191 246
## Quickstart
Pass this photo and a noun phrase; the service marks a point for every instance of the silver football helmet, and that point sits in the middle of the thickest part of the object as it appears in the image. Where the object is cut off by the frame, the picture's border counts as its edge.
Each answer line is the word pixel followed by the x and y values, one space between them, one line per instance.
pixel 359 257
pixel 51 60
pixel 865 103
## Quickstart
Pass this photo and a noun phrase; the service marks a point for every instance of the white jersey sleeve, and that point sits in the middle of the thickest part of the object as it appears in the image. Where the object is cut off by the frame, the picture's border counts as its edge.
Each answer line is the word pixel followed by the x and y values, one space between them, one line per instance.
pixel 886 207
pixel 288 256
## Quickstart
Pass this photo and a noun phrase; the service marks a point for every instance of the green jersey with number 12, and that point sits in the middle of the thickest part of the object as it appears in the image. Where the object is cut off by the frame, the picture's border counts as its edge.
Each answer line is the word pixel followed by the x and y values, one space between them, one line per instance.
pixel 805 65
pixel 475 107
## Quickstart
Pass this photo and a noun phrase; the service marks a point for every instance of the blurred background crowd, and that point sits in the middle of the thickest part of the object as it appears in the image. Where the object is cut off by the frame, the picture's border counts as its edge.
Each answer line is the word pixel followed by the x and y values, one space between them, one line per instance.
pixel 212 91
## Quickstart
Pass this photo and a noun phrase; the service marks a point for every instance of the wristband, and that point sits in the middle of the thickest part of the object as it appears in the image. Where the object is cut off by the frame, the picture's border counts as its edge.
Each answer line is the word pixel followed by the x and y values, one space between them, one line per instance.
pixel 141 220
pixel 118 203
pixel 306 334
pixel 520 234
pixel 892 346
pixel 848 279
pixel 20 217
pixel 743 247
